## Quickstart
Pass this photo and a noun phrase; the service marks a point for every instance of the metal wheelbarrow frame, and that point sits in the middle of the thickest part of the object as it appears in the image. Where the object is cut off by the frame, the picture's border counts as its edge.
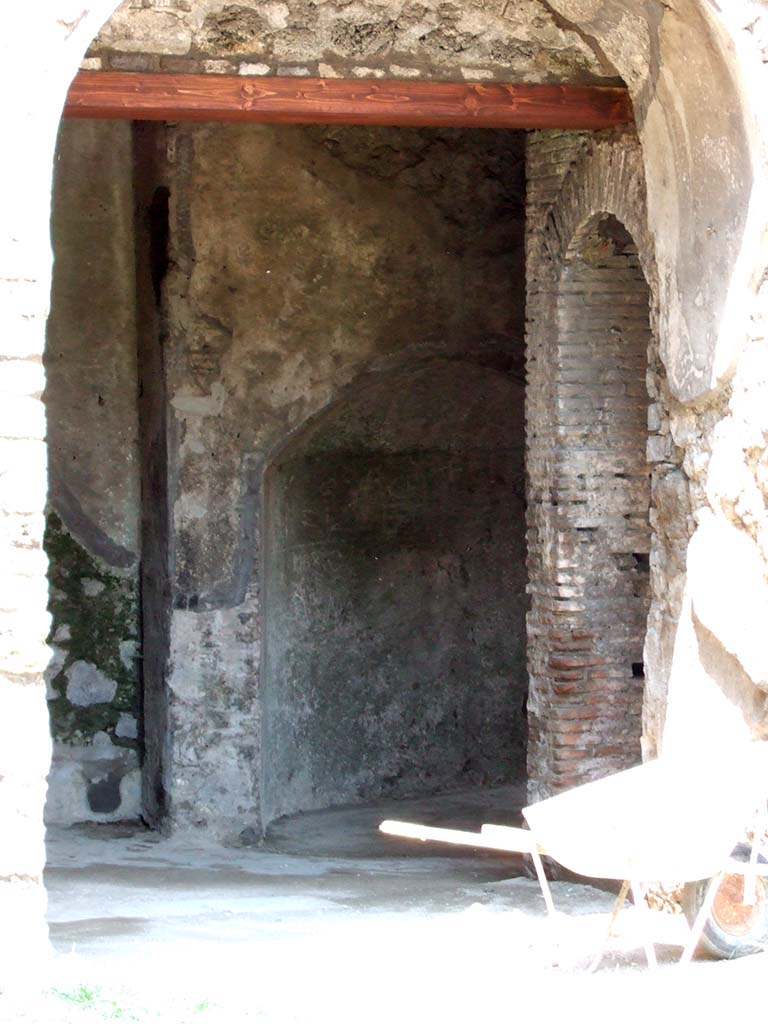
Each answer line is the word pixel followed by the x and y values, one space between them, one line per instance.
pixel 672 818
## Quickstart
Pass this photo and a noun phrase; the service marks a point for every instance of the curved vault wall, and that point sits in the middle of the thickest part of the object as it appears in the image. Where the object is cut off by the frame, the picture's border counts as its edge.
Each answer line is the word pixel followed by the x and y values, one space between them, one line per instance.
pixel 394 604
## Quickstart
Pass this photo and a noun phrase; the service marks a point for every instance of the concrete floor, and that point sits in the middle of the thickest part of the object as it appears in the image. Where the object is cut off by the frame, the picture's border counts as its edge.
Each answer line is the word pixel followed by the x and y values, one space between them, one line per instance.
pixel 329 921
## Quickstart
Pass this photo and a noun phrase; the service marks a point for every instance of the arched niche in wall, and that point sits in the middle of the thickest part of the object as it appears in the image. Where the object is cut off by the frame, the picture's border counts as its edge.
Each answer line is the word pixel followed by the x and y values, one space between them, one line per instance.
pixel 592 339
pixel 602 483
pixel 394 593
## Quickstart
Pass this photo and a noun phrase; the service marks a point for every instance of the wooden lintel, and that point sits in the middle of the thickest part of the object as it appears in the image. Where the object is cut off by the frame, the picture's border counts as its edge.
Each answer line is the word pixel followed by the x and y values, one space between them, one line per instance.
pixel 160 97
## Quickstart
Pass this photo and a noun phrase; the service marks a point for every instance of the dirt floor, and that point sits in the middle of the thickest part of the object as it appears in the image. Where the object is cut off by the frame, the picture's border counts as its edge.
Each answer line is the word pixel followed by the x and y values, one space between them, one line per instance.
pixel 329 921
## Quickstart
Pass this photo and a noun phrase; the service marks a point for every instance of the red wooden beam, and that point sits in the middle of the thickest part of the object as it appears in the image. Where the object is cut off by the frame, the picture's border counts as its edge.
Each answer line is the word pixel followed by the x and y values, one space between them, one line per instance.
pixel 157 97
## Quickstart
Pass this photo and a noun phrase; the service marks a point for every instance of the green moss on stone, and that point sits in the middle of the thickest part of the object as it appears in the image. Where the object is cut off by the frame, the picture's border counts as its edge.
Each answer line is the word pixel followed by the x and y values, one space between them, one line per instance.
pixel 99 621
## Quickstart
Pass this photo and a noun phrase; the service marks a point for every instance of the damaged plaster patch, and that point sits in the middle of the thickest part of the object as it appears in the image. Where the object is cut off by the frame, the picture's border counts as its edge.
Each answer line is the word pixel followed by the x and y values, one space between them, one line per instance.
pixel 92 676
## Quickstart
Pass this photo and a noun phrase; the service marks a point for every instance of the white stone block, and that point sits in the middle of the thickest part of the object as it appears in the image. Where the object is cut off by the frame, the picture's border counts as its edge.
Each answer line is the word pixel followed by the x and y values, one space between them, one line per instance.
pixel 92 588
pixel 402 72
pixel 659 448
pixel 87 685
pixel 256 69
pixel 127 727
pixel 218 67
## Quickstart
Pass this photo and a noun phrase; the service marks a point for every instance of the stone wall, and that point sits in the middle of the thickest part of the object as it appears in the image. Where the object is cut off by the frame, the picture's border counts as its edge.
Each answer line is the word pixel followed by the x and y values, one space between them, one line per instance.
pixel 395 593
pixel 524 41
pixel 92 535
pixel 303 264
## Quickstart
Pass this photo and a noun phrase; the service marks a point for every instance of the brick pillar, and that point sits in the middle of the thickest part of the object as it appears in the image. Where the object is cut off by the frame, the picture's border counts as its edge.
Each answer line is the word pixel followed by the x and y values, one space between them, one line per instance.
pixel 550 156
pixel 33 90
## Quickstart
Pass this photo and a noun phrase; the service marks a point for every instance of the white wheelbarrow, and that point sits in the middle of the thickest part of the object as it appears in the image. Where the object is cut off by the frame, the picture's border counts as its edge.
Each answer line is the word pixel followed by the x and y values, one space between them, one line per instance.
pixel 667 820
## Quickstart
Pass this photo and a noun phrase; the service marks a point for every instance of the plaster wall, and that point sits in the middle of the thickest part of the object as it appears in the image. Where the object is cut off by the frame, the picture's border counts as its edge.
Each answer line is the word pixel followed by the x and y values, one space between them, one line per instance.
pixel 395 593
pixel 304 264
pixel 92 535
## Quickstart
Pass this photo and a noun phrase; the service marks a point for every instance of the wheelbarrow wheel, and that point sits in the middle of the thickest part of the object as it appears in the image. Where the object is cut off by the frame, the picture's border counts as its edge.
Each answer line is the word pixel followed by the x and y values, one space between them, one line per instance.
pixel 733 928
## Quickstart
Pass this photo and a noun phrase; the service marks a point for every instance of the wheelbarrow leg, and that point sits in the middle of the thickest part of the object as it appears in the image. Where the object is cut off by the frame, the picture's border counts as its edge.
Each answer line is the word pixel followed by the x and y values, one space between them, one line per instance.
pixel 646 916
pixel 701 918
pixel 546 892
pixel 620 900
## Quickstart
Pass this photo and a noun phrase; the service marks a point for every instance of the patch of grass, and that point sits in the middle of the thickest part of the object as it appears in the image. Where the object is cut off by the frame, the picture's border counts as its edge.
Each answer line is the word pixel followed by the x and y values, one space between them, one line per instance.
pixel 83 995
pixel 91 998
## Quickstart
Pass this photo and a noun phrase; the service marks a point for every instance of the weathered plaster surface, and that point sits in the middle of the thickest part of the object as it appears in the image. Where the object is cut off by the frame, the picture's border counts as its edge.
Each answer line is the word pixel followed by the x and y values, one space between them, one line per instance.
pixel 703 161
pixel 92 685
pixel 395 593
pixel 302 261
pixel 92 537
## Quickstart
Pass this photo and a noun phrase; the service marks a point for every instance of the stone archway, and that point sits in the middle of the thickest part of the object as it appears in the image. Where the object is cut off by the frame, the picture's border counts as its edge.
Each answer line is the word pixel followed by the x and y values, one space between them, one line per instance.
pixel 715 136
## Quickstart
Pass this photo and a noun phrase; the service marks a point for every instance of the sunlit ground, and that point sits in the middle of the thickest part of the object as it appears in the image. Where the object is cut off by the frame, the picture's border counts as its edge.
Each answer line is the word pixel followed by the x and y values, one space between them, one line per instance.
pixel 179 930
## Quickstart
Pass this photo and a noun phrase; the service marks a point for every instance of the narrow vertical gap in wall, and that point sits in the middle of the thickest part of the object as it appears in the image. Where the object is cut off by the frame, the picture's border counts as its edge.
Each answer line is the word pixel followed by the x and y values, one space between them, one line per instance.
pixel 151 197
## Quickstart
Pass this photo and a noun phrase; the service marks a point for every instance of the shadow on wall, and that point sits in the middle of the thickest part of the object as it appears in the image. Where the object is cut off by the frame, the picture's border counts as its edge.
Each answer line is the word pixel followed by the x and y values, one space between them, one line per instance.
pixel 395 601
